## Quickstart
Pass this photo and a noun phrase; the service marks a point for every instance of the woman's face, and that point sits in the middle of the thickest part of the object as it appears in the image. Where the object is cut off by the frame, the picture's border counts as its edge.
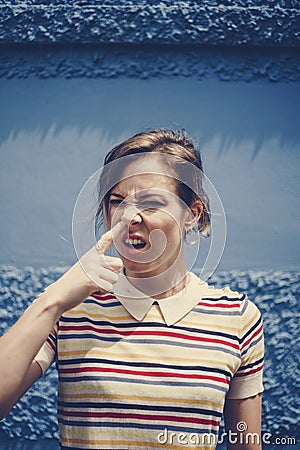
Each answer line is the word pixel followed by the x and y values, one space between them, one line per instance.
pixel 154 215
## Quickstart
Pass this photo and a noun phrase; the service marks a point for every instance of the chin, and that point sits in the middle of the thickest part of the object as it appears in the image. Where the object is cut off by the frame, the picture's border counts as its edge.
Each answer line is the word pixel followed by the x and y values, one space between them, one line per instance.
pixel 136 267
pixel 143 270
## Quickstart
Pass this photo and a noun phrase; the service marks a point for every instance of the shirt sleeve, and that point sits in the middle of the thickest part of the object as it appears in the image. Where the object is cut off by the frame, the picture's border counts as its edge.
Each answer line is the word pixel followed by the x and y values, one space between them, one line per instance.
pixel 47 353
pixel 247 380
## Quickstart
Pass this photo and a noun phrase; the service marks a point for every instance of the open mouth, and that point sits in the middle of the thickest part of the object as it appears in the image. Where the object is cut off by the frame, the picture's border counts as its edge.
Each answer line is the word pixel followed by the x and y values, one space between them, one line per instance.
pixel 138 244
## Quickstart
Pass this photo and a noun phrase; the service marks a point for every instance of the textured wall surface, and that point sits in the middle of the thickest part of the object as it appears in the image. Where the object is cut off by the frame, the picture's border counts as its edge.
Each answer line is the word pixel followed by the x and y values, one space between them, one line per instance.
pixel 73 72
pixel 77 76
pixel 238 22
pixel 145 62
pixel 32 422
pixel 231 40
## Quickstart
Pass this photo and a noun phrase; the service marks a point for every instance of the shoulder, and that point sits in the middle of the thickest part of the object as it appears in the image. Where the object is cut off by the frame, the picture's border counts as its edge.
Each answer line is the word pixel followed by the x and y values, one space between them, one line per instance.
pixel 221 295
pixel 239 309
pixel 224 293
pixel 228 298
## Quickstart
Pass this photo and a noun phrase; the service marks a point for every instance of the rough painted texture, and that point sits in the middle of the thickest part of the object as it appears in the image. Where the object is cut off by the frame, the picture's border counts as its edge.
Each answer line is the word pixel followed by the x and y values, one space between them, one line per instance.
pixel 250 23
pixel 90 61
pixel 275 293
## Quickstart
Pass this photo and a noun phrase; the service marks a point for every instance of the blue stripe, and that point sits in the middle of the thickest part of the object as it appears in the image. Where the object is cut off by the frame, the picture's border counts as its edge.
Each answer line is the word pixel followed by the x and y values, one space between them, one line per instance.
pixel 245 305
pixel 133 425
pixel 254 326
pixel 145 325
pixel 103 377
pixel 252 344
pixel 106 304
pixel 150 341
pixel 142 407
pixel 251 365
pixel 216 313
pixel 225 297
pixel 155 366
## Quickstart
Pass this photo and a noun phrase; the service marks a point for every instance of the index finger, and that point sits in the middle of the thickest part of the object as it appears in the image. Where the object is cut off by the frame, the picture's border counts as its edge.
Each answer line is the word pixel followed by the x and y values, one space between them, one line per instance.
pixel 106 239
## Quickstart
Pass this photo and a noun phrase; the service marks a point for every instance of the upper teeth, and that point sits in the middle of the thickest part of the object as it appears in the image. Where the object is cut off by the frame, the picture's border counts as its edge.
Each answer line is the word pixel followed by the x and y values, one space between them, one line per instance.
pixel 134 241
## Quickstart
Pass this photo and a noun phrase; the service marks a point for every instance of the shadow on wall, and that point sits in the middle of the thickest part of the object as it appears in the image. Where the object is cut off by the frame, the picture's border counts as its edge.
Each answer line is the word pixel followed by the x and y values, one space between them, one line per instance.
pixel 55 133
pixel 236 112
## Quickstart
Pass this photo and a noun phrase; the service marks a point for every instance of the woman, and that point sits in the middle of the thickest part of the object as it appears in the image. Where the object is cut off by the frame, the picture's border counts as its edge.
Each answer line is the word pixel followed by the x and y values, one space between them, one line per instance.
pixel 148 355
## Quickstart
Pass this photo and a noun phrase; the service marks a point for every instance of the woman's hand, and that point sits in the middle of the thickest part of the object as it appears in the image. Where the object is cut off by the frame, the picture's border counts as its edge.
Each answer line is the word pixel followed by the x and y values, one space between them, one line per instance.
pixel 19 345
pixel 94 272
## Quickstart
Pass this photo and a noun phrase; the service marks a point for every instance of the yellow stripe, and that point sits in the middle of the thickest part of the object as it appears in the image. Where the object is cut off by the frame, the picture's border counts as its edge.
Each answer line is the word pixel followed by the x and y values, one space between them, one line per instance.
pixel 255 357
pixel 134 356
pixel 130 444
pixel 83 396
pixel 250 323
pixel 110 318
pixel 80 312
pixel 144 357
pixel 205 325
pixel 208 326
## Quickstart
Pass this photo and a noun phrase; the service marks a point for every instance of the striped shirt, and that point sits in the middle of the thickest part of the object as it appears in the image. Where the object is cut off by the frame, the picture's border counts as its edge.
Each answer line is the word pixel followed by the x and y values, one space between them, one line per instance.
pixel 135 373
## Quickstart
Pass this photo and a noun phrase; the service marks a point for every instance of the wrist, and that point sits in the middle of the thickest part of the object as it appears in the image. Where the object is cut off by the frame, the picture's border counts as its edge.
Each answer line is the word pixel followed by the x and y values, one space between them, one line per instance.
pixel 53 301
pixel 64 294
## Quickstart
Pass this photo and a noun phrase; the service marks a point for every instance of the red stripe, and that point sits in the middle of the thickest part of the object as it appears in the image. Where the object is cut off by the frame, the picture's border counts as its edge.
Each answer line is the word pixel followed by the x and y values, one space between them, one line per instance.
pixel 251 372
pixel 103 297
pixel 219 305
pixel 49 342
pixel 128 415
pixel 253 336
pixel 143 373
pixel 146 333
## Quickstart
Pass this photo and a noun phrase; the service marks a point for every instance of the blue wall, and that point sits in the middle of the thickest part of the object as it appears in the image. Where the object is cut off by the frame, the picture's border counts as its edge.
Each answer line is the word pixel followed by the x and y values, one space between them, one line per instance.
pixel 212 22
pixel 56 131
pixel 77 77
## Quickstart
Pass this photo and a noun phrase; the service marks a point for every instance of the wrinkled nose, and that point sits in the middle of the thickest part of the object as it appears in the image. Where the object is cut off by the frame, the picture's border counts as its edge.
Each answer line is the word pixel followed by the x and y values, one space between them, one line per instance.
pixel 131 215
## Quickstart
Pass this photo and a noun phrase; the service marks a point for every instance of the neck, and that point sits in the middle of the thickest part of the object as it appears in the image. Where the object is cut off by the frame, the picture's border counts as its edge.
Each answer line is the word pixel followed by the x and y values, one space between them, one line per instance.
pixel 163 285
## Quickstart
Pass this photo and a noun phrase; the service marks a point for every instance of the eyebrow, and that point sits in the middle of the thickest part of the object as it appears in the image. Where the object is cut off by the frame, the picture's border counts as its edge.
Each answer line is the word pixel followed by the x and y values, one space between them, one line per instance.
pixel 146 196
pixel 116 195
pixel 142 197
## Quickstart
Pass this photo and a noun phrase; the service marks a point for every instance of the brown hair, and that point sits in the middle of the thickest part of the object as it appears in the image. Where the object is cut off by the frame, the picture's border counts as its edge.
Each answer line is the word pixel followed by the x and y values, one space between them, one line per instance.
pixel 163 141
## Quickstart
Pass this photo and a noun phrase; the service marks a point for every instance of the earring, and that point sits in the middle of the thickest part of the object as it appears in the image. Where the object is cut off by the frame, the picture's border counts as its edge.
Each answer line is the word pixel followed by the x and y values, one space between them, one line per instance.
pixel 191 236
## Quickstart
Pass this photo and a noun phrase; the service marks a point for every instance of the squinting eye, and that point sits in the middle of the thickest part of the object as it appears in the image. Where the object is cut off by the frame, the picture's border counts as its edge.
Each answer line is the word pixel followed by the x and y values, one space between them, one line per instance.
pixel 144 205
pixel 151 205
pixel 115 202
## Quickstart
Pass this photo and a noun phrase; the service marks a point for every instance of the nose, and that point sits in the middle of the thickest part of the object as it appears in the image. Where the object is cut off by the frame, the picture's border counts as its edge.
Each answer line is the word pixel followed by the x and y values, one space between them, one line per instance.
pixel 131 215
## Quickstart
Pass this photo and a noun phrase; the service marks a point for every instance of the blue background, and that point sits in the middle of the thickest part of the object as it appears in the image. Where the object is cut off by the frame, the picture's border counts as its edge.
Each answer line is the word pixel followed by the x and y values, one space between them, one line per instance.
pixel 78 77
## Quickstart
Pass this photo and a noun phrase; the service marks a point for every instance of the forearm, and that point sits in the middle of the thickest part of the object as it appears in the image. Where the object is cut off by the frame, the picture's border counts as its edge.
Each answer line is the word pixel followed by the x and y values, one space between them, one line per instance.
pixel 243 423
pixel 22 342
pixel 19 345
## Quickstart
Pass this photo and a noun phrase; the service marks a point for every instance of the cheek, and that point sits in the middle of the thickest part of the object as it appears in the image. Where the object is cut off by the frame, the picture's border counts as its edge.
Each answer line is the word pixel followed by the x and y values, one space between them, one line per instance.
pixel 174 224
pixel 114 216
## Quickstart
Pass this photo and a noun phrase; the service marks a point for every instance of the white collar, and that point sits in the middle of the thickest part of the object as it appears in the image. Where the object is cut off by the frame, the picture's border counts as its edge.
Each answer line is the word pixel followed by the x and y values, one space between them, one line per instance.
pixel 173 308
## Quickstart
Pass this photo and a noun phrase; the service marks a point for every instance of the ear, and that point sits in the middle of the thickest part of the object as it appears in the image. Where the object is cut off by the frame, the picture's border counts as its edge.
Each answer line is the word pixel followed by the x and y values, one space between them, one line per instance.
pixel 193 215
